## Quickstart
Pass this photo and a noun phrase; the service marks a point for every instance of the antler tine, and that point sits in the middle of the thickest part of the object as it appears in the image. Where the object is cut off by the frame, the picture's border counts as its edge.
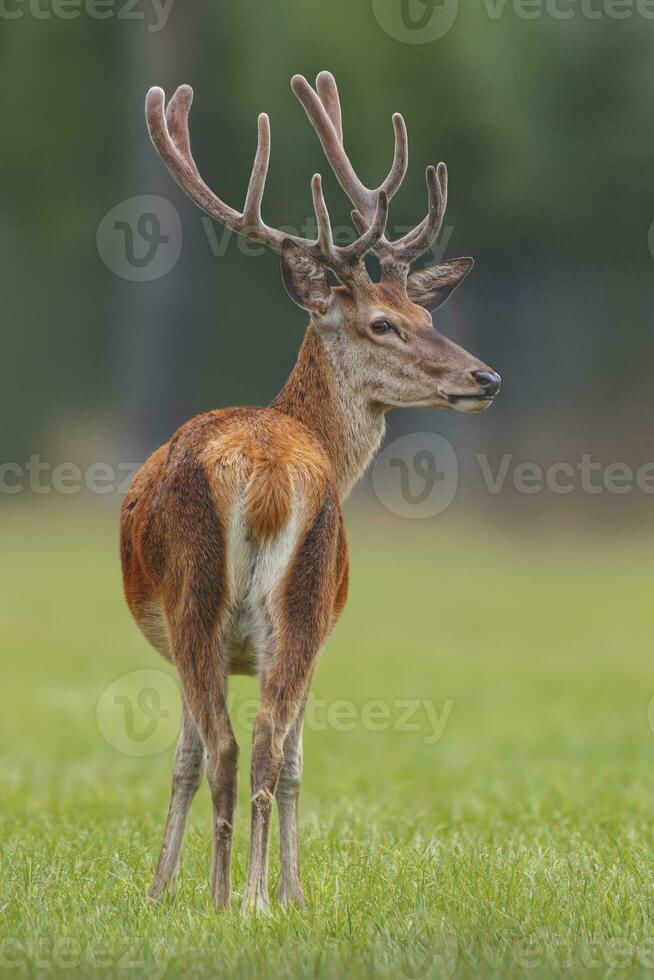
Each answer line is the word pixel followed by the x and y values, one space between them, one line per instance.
pixel 169 133
pixel 400 156
pixel 257 184
pixel 343 260
pixel 417 241
pixel 325 243
pixel 177 121
pixel 360 196
pixel 441 172
pixel 323 110
pixel 328 92
pixel 180 164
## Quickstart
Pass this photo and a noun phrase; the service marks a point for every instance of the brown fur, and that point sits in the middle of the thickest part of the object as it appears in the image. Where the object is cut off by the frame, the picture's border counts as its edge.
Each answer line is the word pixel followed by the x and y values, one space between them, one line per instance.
pixel 172 531
pixel 268 497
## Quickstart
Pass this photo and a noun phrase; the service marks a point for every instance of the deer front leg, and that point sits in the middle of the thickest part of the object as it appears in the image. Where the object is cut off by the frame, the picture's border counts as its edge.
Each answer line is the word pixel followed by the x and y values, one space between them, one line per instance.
pixel 187 775
pixel 288 791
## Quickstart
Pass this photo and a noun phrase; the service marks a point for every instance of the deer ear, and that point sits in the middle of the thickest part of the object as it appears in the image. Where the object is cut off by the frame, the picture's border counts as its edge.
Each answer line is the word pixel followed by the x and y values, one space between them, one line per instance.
pixel 431 286
pixel 305 278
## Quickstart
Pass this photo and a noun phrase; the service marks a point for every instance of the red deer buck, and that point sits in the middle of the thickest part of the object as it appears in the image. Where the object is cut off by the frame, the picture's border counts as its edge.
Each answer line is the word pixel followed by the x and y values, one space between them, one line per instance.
pixel 232 541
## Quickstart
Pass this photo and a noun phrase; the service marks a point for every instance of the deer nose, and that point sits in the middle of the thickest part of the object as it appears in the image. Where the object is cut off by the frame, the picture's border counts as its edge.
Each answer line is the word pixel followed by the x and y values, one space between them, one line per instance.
pixel 488 381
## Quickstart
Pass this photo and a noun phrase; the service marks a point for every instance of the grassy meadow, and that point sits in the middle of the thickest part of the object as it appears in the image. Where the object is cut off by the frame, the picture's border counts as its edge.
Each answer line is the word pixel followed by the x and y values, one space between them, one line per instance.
pixel 478 797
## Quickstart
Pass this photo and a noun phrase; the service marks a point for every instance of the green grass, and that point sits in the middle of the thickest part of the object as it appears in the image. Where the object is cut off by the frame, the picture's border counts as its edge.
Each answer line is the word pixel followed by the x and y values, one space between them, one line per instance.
pixel 519 843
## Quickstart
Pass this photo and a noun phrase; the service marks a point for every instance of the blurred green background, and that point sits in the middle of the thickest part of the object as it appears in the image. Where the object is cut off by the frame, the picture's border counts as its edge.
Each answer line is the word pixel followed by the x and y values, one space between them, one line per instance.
pixel 530 819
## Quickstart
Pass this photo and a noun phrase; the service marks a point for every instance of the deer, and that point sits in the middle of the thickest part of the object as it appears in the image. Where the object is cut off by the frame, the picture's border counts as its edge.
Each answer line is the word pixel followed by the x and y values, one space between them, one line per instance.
pixel 233 547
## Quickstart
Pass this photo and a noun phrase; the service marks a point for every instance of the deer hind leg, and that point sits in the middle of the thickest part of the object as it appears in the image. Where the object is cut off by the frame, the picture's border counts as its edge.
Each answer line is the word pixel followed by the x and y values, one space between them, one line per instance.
pixel 187 776
pixel 288 787
pixel 288 791
pixel 222 774
pixel 304 617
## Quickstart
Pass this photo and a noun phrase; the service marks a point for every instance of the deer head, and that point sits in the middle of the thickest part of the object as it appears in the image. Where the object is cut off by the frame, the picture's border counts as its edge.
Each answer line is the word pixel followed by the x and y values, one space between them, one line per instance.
pixel 381 332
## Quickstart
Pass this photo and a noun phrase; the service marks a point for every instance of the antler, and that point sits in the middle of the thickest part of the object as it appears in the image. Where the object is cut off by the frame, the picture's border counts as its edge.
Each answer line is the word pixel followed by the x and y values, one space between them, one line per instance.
pixel 324 111
pixel 169 132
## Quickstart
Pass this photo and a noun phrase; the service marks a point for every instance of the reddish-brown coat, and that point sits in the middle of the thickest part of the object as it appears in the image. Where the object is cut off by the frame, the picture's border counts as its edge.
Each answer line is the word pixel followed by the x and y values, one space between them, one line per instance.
pixel 174 517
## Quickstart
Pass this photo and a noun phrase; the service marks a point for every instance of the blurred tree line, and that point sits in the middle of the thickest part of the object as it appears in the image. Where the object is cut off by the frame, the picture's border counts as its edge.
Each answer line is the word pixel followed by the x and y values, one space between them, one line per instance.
pixel 545 125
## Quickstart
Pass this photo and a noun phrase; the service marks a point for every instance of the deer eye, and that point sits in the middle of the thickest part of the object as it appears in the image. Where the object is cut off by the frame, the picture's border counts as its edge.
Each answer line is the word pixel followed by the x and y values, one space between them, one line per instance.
pixel 381 326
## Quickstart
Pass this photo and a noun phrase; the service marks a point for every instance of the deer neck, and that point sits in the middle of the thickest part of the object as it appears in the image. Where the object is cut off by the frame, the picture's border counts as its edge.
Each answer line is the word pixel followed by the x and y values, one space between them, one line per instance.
pixel 322 393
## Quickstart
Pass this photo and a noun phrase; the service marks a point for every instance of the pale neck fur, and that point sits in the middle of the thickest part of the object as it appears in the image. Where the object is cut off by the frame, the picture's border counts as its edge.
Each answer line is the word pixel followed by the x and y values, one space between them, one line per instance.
pixel 322 393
